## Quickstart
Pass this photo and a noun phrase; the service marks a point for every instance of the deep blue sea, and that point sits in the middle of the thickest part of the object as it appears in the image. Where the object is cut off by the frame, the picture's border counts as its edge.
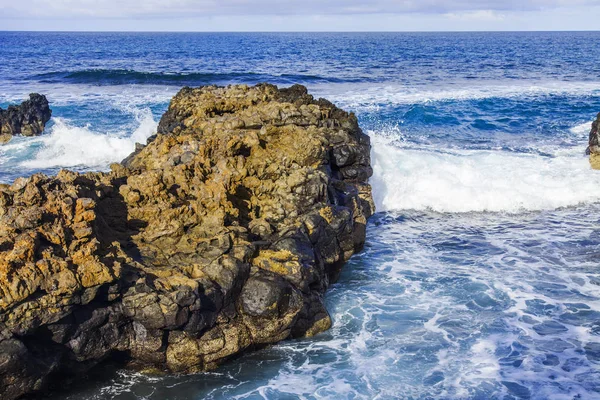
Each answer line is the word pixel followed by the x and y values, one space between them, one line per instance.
pixel 480 278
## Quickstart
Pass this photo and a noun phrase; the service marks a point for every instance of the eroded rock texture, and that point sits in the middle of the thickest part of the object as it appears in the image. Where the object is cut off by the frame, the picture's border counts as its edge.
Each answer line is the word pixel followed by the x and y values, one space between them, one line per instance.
pixel 594 144
pixel 220 235
pixel 27 119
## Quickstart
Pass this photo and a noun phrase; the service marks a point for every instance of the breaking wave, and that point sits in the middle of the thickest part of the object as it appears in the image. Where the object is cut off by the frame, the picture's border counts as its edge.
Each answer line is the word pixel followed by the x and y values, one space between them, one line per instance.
pixel 72 146
pixel 455 180
pixel 370 97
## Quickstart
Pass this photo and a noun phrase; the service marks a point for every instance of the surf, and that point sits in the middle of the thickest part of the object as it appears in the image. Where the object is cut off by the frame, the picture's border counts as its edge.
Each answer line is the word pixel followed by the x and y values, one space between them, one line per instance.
pixel 453 180
pixel 69 145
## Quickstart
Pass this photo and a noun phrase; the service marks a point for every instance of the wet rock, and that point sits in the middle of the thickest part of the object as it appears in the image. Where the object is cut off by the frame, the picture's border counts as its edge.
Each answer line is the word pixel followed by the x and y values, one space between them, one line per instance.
pixel 594 144
pixel 27 119
pixel 219 235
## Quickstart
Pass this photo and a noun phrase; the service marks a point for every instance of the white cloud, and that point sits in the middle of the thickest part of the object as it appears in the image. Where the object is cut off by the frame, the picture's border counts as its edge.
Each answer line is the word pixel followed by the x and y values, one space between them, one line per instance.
pixel 200 8
pixel 298 15
pixel 480 15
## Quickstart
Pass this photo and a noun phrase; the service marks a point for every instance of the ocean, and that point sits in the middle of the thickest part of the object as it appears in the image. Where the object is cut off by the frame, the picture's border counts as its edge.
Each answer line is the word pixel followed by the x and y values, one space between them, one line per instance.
pixel 480 278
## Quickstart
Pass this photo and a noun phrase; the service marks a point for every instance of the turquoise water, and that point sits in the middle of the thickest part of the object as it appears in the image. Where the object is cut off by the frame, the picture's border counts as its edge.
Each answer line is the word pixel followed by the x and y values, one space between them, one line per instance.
pixel 480 275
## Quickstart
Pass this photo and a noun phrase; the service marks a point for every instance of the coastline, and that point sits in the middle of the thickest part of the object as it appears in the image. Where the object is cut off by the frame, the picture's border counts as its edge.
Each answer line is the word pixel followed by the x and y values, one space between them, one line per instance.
pixel 479 275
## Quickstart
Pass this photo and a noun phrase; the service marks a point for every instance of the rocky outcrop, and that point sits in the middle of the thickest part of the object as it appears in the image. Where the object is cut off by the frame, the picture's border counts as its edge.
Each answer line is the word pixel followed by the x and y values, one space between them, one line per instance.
pixel 27 119
pixel 220 235
pixel 594 144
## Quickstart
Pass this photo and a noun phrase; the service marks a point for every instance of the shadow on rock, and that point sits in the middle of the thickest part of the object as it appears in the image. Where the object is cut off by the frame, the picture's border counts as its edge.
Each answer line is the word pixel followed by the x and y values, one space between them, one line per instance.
pixel 220 235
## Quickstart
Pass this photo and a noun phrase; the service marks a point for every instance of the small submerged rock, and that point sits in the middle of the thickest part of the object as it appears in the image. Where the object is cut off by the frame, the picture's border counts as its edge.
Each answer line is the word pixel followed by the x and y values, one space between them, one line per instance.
pixel 219 235
pixel 27 119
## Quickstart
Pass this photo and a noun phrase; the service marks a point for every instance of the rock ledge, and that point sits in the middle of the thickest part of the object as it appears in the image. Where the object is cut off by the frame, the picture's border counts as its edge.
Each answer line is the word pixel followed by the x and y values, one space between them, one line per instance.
pixel 220 235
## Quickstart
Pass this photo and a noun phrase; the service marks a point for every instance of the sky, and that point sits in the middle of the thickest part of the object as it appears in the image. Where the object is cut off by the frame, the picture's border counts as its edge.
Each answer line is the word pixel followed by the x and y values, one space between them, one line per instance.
pixel 299 15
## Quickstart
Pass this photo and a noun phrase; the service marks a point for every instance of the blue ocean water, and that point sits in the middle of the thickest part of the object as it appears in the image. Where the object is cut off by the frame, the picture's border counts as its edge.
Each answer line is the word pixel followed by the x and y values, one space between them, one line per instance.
pixel 480 276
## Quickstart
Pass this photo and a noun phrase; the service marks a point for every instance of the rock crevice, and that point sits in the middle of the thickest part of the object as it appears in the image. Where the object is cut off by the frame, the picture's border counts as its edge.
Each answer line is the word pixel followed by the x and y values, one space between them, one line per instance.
pixel 219 235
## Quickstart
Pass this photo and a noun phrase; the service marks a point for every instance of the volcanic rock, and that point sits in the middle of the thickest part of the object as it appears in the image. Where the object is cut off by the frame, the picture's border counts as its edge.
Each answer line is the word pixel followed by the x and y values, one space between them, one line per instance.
pixel 594 144
pixel 218 236
pixel 27 119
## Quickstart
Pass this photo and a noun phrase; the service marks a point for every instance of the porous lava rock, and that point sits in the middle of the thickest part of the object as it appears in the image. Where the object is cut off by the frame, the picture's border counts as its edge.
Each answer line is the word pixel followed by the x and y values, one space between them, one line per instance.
pixel 594 144
pixel 27 119
pixel 218 236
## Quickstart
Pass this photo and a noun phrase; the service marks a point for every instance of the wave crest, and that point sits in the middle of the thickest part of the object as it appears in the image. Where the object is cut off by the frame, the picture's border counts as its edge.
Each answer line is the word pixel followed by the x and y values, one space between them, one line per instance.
pixel 372 98
pixel 125 76
pixel 480 180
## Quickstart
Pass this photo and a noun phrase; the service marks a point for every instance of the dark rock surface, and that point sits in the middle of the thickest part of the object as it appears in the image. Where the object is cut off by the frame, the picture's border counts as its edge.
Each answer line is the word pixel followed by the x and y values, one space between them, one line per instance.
pixel 594 140
pixel 27 119
pixel 593 149
pixel 220 235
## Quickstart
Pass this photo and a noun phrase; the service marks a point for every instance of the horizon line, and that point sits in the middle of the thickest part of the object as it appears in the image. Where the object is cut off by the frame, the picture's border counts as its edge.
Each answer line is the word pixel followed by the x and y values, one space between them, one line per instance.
pixel 316 31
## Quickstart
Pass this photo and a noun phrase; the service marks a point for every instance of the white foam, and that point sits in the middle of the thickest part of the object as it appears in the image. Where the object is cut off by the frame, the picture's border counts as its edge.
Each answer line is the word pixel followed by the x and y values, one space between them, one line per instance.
pixel 72 146
pixel 371 96
pixel 479 180
pixel 59 94
pixel 582 129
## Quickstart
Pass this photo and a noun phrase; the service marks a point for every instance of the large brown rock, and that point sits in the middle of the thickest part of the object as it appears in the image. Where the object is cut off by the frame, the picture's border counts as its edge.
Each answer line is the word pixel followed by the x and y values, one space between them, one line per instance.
pixel 220 235
pixel 27 119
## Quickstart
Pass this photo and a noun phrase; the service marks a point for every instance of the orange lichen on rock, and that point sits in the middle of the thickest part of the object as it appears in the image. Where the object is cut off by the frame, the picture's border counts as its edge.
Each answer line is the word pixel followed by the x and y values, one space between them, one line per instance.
pixel 221 233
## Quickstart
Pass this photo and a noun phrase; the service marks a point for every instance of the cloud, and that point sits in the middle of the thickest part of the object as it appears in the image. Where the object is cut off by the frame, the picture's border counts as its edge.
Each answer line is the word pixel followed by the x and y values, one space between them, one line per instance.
pixel 206 8
pixel 480 15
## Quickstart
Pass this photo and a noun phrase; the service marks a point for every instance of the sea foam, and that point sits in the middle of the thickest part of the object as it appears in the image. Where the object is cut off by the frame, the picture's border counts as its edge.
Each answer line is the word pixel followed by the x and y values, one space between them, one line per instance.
pixel 453 180
pixel 369 97
pixel 71 146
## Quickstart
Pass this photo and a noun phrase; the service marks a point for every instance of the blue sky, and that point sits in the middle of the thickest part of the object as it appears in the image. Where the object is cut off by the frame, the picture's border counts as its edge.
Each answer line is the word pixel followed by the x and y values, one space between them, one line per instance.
pixel 299 15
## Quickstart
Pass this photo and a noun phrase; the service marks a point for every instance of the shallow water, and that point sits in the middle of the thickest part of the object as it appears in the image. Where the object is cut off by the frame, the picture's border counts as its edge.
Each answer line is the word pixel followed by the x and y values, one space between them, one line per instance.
pixel 438 305
pixel 480 275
